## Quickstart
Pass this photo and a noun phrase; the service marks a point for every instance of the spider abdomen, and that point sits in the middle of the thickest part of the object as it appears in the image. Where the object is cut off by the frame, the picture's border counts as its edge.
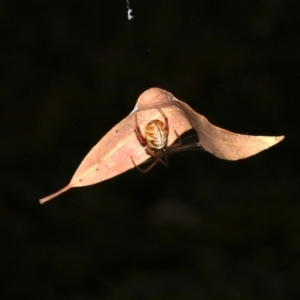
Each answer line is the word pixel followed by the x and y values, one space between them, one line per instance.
pixel 156 134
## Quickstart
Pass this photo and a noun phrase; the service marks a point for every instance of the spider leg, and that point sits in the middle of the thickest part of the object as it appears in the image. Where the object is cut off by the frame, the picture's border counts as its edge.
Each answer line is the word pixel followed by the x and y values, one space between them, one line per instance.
pixel 178 143
pixel 155 162
pixel 139 134
pixel 158 155
pixel 164 115
pixel 166 162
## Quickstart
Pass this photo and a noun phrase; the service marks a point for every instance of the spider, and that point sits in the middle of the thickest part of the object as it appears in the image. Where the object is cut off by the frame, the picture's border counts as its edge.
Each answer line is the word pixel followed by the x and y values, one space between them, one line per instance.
pixel 155 141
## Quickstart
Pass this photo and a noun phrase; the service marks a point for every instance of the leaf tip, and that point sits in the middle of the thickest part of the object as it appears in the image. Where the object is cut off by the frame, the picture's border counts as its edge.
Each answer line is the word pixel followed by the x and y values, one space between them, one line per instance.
pixel 277 139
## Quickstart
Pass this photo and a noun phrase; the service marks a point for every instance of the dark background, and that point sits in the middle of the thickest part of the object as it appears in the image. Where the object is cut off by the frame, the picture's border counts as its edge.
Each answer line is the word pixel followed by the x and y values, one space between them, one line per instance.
pixel 202 229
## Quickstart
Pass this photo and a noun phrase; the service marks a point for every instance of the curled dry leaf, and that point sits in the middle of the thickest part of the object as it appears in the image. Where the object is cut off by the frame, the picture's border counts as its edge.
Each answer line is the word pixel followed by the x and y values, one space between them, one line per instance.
pixel 111 156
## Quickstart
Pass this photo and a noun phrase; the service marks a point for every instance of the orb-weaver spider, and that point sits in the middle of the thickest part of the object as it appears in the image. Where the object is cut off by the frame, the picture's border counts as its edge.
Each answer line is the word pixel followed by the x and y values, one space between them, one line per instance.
pixel 155 141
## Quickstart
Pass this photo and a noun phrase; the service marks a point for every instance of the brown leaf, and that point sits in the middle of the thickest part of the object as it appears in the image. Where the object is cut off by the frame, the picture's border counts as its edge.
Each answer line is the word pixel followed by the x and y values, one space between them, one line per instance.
pixel 225 144
pixel 111 156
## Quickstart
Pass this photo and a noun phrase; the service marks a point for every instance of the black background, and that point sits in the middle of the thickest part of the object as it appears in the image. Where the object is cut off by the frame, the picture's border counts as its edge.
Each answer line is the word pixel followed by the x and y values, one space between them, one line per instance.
pixel 202 229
